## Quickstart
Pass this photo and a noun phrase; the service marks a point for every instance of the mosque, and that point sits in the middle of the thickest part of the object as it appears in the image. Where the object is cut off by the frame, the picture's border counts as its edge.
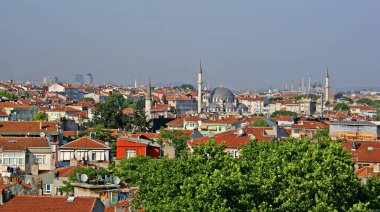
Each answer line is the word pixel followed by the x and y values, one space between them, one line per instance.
pixel 220 100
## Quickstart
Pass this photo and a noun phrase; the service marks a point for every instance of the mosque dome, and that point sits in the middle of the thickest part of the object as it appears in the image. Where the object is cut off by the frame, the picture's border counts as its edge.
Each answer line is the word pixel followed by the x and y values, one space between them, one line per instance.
pixel 222 93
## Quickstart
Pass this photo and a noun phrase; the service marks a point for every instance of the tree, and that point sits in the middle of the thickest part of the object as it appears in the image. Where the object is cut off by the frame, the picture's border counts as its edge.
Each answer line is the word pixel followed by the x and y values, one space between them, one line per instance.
pixel 175 138
pixel 283 113
pixel 293 175
pixel 8 95
pixel 40 116
pixel 109 114
pixel 349 100
pixel 139 120
pixel 341 107
pixel 366 101
pixel 260 123
pixel 274 99
pixel 88 99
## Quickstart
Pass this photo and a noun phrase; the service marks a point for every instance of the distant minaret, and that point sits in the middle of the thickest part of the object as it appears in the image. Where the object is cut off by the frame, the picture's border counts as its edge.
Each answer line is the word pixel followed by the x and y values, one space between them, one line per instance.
pixel 135 83
pixel 270 89
pixel 292 85
pixel 327 85
pixel 303 84
pixel 309 85
pixel 200 82
pixel 148 101
pixel 286 86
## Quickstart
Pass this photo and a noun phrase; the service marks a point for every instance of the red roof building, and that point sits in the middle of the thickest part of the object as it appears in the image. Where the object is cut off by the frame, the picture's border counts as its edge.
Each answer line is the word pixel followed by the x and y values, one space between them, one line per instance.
pixel 130 147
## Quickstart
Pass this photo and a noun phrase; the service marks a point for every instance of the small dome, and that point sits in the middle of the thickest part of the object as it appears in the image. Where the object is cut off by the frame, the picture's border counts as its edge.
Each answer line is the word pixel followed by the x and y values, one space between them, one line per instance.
pixel 223 93
pixel 242 107
pixel 214 105
pixel 229 105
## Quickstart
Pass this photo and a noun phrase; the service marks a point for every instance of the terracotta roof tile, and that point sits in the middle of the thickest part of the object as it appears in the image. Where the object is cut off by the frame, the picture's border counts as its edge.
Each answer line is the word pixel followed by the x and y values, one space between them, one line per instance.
pixel 366 151
pixel 48 203
pixel 20 143
pixel 85 143
pixel 28 126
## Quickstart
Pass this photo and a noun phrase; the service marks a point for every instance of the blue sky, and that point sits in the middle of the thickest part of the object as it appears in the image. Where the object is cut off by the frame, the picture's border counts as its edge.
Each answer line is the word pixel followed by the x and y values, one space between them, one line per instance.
pixel 242 44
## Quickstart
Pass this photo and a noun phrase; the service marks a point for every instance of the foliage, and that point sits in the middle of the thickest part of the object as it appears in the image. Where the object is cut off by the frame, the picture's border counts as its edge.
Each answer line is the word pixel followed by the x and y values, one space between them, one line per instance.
pixel 138 122
pixel 274 99
pixel 109 114
pixel 89 171
pixel 366 101
pixel 283 113
pixel 321 134
pixel 260 123
pixel 130 103
pixel 269 176
pixel 307 96
pixel 349 100
pixel 341 106
pixel 175 138
pixel 40 116
pixel 8 95
pixel 24 94
pixel 88 99
pixel 184 86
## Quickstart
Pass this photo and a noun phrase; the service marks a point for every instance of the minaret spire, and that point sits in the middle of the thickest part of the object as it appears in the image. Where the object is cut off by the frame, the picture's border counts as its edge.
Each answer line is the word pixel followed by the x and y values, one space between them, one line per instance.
pixel 327 85
pixel 148 101
pixel 200 82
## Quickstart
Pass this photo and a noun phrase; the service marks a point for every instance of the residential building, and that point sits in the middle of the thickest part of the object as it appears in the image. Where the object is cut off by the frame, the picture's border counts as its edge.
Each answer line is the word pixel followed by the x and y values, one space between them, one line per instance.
pixel 18 112
pixel 85 148
pixel 363 130
pixel 128 147
pixel 21 152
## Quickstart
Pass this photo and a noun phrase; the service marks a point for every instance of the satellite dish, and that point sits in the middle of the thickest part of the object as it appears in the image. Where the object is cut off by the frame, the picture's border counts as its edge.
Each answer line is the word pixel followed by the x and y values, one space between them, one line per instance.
pixel 116 180
pixel 240 132
pixel 83 178
pixel 42 134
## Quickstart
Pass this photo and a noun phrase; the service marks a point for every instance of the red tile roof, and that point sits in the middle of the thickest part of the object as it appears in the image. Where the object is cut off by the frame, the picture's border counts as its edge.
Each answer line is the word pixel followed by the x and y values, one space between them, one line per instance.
pixel 176 122
pixel 365 171
pixel 67 170
pixel 14 105
pixel 366 151
pixel 28 126
pixel 20 143
pixel 3 113
pixel 48 203
pixel 85 143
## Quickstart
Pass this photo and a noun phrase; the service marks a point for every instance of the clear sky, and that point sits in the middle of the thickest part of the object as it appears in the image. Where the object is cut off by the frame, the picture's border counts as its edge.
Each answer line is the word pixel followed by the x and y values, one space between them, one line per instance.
pixel 242 43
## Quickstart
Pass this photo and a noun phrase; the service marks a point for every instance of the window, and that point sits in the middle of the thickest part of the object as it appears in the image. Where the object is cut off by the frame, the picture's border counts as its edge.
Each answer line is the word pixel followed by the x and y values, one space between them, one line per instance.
pixel 130 153
pixel 13 159
pixel 81 155
pixel 47 189
pixel 233 153
pixel 97 155
pixel 66 155
pixel 40 159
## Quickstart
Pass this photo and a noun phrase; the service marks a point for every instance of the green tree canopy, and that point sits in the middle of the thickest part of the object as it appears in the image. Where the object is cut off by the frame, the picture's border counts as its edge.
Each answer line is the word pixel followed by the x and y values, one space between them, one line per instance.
pixel 40 116
pixel 292 176
pixel 8 95
pixel 184 86
pixel 175 138
pixel 283 113
pixel 341 107
pixel 260 123
pixel 366 101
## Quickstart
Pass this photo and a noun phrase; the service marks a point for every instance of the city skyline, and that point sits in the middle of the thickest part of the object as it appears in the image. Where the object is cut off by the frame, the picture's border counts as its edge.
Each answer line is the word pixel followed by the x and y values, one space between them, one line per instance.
pixel 242 45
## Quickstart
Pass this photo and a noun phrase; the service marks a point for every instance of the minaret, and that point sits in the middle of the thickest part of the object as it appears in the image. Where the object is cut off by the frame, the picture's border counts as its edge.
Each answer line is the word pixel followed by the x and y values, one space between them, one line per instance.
pixel 286 86
pixel 309 85
pixel 327 85
pixel 148 101
pixel 270 89
pixel 200 82
pixel 303 84
pixel 135 83
pixel 292 86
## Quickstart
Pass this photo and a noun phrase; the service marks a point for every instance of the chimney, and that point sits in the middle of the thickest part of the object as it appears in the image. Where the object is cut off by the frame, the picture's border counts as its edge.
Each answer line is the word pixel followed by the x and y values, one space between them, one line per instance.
pixel 376 168
pixel 73 162
pixel 276 132
pixel 34 168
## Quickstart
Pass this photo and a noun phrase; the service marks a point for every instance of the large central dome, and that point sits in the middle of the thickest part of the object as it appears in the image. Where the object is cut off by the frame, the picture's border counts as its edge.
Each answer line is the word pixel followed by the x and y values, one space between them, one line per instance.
pixel 222 93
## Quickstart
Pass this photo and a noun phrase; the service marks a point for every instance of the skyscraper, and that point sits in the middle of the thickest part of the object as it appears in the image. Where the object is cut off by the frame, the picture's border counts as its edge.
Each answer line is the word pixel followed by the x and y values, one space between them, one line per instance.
pixel 78 79
pixel 88 79
pixel 48 80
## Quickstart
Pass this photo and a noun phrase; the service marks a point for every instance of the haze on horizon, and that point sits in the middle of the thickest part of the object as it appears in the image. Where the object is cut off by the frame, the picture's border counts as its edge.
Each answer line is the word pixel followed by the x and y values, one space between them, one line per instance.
pixel 242 44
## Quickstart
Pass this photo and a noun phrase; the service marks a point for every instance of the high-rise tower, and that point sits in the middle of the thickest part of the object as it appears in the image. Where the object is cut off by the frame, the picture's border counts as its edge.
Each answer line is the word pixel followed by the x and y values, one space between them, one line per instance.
pixel 148 102
pixel 200 82
pixel 309 85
